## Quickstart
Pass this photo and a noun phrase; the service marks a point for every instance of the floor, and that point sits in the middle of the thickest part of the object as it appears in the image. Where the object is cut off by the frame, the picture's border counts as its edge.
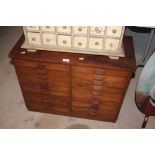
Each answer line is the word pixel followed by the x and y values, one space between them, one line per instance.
pixel 13 113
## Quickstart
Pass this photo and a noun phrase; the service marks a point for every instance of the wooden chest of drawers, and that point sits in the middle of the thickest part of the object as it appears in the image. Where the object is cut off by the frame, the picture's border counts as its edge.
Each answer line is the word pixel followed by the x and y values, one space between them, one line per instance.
pixel 79 85
pixel 98 40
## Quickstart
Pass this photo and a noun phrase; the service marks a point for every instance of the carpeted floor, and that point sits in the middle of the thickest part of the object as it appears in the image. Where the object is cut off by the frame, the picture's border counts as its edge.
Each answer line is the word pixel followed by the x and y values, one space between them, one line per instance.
pixel 13 113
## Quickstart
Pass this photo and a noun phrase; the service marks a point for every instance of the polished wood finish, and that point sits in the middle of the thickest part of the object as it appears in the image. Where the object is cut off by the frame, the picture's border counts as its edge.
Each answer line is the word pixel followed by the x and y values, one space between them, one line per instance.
pixel 88 86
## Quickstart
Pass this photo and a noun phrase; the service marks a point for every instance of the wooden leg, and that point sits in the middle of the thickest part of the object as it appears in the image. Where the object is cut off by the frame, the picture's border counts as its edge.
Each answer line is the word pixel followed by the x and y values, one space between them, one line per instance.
pixel 145 121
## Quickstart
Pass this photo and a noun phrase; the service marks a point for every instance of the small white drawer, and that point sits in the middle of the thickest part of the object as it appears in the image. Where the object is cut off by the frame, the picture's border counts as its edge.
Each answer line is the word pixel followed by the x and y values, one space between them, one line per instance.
pixel 48 28
pixel 64 40
pixel 80 30
pixel 97 30
pixel 114 31
pixel 112 44
pixel 64 29
pixel 34 38
pixel 80 42
pixel 95 43
pixel 49 39
pixel 32 28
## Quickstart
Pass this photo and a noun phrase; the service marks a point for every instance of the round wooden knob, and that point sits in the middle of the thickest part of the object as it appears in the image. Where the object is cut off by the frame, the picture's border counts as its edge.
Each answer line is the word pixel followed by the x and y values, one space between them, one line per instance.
pixel 114 31
pixel 64 27
pixel 79 43
pixel 96 43
pixel 33 39
pixel 80 28
pixel 48 40
pixel 47 27
pixel 64 41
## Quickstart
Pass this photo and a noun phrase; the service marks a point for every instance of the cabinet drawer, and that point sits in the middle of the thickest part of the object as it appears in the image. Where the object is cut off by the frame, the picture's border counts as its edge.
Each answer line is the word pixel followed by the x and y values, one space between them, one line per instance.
pixel 95 43
pixel 64 29
pixel 49 39
pixel 97 30
pixel 64 40
pixel 32 28
pixel 48 28
pixel 112 44
pixel 114 31
pixel 80 29
pixel 34 38
pixel 80 42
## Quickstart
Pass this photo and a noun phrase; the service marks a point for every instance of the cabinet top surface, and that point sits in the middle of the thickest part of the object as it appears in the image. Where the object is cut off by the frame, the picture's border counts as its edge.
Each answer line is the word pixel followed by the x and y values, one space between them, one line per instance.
pixel 125 63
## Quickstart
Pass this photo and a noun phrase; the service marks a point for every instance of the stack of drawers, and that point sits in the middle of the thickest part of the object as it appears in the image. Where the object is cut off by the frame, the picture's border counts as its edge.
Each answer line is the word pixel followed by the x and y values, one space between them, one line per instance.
pixel 100 40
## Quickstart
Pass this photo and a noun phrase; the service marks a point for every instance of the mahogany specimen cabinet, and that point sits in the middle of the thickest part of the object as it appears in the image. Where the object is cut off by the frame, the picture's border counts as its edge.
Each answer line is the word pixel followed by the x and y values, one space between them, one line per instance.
pixel 71 84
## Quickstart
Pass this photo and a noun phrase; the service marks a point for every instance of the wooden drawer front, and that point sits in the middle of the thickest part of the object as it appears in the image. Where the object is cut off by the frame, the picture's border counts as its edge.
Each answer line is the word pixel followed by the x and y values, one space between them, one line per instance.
pixel 95 43
pixel 32 28
pixel 83 74
pixel 80 30
pixel 49 39
pixel 80 42
pixel 64 29
pixel 112 44
pixel 34 38
pixel 60 103
pixel 25 63
pixel 48 28
pixel 116 79
pixel 114 31
pixel 57 67
pixel 64 41
pixel 97 30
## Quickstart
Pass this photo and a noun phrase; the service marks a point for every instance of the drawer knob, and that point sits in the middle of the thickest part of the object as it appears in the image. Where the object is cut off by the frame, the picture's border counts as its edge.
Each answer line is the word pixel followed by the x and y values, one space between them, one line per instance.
pixel 79 43
pixel 114 31
pixel 33 39
pixel 47 27
pixel 96 43
pixel 48 40
pixel 111 45
pixel 64 42
pixel 96 29
pixel 80 29
pixel 64 27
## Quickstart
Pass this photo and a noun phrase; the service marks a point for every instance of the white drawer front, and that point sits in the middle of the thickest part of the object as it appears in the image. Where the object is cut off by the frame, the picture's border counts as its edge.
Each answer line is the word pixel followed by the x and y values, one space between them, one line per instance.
pixel 48 28
pixel 97 30
pixel 80 30
pixel 112 44
pixel 64 40
pixel 64 29
pixel 32 28
pixel 114 31
pixel 34 38
pixel 95 43
pixel 49 39
pixel 80 42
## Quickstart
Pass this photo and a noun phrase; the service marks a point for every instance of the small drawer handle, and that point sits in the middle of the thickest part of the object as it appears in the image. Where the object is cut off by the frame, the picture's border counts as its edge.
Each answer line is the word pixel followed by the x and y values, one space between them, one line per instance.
pixel 48 40
pixel 114 31
pixel 47 27
pixel 80 29
pixel 96 43
pixel 33 39
pixel 96 29
pixel 111 45
pixel 79 43
pixel 64 27
pixel 64 41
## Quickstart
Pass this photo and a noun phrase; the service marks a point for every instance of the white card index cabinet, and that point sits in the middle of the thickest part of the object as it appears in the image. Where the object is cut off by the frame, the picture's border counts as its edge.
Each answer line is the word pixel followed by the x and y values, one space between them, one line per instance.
pixel 98 40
